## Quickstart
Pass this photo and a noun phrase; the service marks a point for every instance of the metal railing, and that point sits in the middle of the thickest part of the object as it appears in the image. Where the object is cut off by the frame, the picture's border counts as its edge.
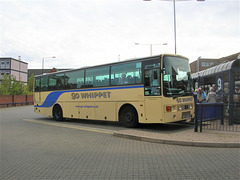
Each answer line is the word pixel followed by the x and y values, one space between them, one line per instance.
pixel 211 116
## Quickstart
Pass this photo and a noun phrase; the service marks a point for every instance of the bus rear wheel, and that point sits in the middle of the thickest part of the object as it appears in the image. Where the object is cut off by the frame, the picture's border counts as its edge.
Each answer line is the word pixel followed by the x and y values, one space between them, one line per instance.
pixel 129 117
pixel 57 113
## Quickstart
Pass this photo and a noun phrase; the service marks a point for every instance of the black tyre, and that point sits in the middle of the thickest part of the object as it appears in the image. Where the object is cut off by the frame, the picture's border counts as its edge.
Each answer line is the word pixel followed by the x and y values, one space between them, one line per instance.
pixel 57 113
pixel 128 117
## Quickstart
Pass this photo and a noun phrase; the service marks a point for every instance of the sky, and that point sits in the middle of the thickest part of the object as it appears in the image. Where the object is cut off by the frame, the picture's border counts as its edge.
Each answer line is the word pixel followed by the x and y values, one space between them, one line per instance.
pixel 83 33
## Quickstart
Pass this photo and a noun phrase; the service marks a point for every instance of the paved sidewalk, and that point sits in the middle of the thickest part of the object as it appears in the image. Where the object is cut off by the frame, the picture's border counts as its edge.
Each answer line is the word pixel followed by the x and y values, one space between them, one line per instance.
pixel 187 137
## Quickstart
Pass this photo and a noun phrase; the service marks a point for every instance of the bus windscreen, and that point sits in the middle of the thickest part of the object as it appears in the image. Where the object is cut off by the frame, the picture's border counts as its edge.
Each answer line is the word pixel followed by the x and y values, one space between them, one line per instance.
pixel 177 79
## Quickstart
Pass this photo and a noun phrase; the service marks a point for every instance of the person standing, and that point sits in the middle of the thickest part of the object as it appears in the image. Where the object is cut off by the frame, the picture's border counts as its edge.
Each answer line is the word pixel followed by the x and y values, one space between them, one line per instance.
pixel 201 96
pixel 211 97
pixel 195 93
pixel 236 96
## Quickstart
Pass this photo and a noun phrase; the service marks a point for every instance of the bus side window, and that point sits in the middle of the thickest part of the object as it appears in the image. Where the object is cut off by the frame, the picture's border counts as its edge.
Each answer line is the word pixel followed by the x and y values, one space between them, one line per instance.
pixel 147 78
pixel 152 82
pixel 155 76
pixel 37 84
pixel 129 73
pixel 44 83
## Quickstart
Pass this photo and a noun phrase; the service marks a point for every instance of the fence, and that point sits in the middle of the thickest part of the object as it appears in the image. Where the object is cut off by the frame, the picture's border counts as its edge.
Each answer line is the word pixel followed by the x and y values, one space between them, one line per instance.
pixel 211 116
pixel 14 100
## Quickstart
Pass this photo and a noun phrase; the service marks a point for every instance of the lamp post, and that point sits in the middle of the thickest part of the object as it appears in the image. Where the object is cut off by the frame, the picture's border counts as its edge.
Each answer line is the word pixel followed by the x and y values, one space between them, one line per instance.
pixel 199 63
pixel 43 62
pixel 150 46
pixel 175 25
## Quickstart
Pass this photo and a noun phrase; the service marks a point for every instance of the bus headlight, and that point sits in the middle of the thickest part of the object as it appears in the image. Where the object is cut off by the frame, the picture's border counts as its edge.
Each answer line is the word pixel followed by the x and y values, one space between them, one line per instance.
pixel 180 108
pixel 190 106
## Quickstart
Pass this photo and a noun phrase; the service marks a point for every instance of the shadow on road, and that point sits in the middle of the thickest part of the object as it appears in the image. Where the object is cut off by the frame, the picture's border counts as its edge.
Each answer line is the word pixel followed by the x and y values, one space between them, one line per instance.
pixel 168 128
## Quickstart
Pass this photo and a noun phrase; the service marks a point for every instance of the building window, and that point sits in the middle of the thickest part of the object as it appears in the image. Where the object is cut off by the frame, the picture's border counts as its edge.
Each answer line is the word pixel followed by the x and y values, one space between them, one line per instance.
pixel 212 64
pixel 205 64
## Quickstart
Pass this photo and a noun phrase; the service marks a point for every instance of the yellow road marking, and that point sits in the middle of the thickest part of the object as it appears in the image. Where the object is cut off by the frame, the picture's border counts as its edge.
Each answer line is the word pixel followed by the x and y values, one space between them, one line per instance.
pixel 71 126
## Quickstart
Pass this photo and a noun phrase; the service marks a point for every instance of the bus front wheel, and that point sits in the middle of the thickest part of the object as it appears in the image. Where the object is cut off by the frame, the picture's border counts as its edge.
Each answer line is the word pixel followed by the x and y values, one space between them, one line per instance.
pixel 57 113
pixel 129 117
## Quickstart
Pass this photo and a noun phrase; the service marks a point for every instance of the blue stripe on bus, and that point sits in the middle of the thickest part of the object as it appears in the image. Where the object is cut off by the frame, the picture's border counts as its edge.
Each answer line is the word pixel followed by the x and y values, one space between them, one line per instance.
pixel 53 96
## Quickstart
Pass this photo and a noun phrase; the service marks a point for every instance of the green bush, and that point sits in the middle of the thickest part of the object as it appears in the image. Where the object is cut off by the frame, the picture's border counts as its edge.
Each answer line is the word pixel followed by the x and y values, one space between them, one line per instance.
pixel 10 86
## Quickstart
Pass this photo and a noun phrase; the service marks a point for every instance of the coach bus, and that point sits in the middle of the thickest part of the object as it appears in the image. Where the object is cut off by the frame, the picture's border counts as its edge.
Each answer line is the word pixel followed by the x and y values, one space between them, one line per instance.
pixel 156 89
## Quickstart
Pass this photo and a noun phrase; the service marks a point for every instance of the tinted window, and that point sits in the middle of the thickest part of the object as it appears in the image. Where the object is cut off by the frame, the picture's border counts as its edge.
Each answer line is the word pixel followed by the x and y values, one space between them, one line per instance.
pixel 97 77
pixel 37 84
pixel 44 83
pixel 152 82
pixel 152 78
pixel 129 73
pixel 74 79
pixel 56 82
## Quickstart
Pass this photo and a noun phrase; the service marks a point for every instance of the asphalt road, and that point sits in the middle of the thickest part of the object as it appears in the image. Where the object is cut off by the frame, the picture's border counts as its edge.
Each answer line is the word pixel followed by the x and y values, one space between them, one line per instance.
pixel 36 147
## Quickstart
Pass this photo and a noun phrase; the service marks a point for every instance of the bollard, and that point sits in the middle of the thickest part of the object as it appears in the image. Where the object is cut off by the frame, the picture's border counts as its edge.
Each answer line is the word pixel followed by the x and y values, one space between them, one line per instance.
pixel 196 119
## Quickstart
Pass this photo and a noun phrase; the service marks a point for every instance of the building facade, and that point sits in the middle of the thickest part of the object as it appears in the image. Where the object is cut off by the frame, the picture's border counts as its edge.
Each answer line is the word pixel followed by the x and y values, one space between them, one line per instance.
pixel 205 63
pixel 17 68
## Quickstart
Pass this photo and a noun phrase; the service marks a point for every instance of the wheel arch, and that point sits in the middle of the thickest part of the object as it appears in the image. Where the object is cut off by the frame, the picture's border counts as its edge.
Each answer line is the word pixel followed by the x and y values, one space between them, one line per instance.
pixel 54 106
pixel 57 112
pixel 126 105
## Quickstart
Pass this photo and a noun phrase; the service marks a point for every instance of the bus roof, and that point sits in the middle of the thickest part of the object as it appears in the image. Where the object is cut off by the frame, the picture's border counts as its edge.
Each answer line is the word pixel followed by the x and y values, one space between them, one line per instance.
pixel 113 63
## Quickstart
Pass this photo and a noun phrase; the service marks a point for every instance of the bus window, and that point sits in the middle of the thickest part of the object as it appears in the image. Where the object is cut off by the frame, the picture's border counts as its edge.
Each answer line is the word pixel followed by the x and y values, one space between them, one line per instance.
pixel 37 84
pixel 44 83
pixel 74 80
pixel 52 83
pixel 123 74
pixel 177 80
pixel 152 82
pixel 56 82
pixel 97 77
pixel 152 78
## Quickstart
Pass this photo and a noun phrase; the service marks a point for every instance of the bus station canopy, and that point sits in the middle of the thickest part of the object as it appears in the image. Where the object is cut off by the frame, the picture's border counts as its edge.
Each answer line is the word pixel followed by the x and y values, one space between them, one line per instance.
pixel 217 69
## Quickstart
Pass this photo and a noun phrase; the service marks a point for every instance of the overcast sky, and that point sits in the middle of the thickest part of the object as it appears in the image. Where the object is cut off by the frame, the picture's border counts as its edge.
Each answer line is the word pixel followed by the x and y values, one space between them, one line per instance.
pixel 91 32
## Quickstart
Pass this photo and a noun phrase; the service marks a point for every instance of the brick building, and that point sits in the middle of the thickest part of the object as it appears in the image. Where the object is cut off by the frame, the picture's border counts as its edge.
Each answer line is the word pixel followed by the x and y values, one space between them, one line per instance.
pixel 205 63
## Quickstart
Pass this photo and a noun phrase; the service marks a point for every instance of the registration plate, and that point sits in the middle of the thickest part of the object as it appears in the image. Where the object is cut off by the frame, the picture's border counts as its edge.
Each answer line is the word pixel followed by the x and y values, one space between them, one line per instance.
pixel 186 114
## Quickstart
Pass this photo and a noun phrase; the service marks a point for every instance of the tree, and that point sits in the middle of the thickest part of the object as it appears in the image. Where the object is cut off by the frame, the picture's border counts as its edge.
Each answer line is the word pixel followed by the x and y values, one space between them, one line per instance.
pixel 10 86
pixel 30 84
pixel 5 85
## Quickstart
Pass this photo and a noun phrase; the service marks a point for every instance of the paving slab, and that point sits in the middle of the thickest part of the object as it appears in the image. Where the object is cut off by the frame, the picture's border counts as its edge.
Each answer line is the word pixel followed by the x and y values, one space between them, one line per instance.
pixel 207 138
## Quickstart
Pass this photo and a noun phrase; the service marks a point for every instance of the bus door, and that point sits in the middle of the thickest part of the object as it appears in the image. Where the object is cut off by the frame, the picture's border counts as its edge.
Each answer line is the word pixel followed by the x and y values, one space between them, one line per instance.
pixel 152 93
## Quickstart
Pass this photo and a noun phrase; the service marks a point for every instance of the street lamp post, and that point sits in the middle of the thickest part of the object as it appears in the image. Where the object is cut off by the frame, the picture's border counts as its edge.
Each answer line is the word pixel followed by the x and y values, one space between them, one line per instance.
pixel 175 30
pixel 199 63
pixel 43 61
pixel 150 46
pixel 175 26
